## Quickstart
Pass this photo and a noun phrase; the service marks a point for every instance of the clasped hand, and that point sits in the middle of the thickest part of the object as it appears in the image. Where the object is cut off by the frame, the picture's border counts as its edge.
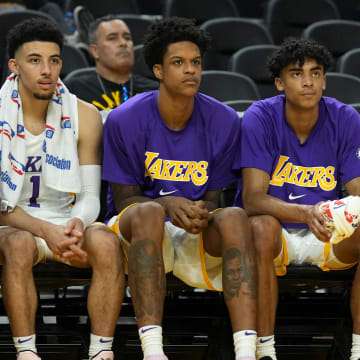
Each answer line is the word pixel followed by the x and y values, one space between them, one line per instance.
pixel 190 215
pixel 67 241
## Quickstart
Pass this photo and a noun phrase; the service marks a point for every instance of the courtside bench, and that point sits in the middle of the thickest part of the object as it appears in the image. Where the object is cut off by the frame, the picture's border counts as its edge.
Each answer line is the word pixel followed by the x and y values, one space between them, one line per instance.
pixel 313 318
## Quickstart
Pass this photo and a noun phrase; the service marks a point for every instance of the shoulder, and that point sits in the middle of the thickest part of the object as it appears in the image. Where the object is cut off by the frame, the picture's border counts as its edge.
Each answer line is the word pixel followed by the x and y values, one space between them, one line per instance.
pixel 134 108
pixel 135 114
pixel 214 109
pixel 266 112
pixel 89 117
pixel 337 107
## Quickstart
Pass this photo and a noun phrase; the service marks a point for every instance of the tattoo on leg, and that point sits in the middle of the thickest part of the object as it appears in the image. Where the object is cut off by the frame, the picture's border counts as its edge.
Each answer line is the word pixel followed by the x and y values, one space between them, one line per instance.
pixel 239 275
pixel 146 271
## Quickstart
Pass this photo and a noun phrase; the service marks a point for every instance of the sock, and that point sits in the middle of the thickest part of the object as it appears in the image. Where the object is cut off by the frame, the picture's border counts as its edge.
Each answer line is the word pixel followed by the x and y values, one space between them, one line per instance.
pixel 245 344
pixel 151 340
pixel 355 349
pixel 23 343
pixel 98 343
pixel 265 346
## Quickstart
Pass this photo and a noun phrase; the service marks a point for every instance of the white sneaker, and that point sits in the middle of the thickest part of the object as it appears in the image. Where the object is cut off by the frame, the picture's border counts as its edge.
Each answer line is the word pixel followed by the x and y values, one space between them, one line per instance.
pixel 27 355
pixel 156 357
pixel 103 355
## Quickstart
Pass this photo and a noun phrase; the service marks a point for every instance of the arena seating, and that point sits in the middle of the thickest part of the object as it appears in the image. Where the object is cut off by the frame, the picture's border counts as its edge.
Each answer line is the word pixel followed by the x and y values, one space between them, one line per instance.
pixel 313 319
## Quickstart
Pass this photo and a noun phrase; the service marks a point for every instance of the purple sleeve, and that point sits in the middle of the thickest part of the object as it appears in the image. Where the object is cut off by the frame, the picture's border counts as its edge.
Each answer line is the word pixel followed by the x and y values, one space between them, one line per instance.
pixel 120 151
pixel 256 137
pixel 226 149
pixel 349 156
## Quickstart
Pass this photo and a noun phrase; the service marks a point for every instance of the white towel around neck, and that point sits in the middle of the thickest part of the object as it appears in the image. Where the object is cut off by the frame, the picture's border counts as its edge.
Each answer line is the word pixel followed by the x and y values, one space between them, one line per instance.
pixel 60 163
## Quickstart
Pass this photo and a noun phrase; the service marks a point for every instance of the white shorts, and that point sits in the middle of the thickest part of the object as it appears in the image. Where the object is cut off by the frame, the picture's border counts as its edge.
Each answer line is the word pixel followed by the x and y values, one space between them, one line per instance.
pixel 184 255
pixel 300 246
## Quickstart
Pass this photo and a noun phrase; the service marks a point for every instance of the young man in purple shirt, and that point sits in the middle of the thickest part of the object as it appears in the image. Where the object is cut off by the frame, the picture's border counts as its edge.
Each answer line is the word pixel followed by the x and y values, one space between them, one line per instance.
pixel 296 150
pixel 167 155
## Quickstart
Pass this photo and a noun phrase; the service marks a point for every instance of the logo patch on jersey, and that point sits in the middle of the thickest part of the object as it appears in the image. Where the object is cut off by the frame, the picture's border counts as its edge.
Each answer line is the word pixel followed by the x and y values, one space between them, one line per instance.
pixel 65 122
pixel 294 197
pixel 358 153
pixel 49 131
pixel 17 166
pixel 174 170
pixel 287 172
pixel 164 193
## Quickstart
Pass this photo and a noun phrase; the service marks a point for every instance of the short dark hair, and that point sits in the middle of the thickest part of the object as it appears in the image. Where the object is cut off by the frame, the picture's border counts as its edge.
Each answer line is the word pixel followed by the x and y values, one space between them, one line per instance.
pixel 34 29
pixel 297 50
pixel 93 27
pixel 161 33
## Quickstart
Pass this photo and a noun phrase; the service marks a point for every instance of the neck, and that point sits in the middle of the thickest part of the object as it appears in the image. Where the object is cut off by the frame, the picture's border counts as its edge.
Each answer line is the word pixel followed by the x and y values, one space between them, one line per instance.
pixel 118 77
pixel 175 111
pixel 302 121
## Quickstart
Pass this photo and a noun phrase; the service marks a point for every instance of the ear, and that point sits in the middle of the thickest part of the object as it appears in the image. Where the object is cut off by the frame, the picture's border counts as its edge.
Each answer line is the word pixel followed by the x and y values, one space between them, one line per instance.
pixel 279 84
pixel 324 85
pixel 94 51
pixel 13 66
pixel 157 70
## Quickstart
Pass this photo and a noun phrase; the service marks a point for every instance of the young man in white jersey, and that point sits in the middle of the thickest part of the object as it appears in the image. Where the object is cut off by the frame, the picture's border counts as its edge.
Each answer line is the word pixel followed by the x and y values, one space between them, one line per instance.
pixel 50 146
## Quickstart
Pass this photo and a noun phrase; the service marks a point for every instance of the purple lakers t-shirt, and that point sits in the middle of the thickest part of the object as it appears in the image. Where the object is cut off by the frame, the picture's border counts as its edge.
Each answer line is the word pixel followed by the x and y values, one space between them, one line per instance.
pixel 140 149
pixel 301 173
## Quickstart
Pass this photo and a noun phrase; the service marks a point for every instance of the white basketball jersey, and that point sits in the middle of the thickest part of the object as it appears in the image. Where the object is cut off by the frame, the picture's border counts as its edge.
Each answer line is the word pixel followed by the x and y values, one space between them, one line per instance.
pixel 36 198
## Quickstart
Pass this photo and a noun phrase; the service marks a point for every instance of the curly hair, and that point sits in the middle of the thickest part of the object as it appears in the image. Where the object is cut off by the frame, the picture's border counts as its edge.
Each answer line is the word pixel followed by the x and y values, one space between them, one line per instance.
pixel 33 29
pixel 161 34
pixel 293 51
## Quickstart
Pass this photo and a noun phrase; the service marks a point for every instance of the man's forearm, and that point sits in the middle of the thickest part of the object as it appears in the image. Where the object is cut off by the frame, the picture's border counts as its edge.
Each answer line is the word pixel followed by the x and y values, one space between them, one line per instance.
pixel 264 204
pixel 19 219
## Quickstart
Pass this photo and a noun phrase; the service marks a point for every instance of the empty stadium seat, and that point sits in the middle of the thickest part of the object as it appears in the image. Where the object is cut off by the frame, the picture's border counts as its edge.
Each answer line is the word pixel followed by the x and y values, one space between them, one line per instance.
pixel 229 35
pixel 140 66
pixel 105 7
pixel 349 63
pixel 343 87
pixel 239 105
pixel 73 59
pixel 286 18
pixel 251 61
pixel 200 10
pixel 339 36
pixel 137 25
pixel 226 85
pixel 78 72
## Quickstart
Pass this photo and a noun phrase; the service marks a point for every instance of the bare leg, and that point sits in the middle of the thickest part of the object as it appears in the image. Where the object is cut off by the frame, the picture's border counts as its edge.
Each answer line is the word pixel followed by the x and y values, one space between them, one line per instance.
pixel 18 252
pixel 229 236
pixel 348 251
pixel 108 281
pixel 267 240
pixel 143 224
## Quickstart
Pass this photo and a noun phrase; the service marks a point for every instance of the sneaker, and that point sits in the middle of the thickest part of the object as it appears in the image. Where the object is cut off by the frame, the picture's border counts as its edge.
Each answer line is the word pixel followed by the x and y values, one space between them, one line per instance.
pixel 27 355
pixel 103 355
pixel 266 358
pixel 156 357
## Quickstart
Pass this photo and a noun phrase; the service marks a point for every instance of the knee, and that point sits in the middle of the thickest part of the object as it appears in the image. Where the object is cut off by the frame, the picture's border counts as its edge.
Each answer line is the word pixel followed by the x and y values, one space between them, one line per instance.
pixel 231 218
pixel 148 220
pixel 149 212
pixel 19 249
pixel 266 232
pixel 103 247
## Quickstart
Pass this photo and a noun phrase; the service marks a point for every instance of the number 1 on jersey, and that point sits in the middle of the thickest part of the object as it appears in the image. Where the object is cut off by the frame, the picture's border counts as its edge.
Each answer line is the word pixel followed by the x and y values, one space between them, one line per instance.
pixel 35 193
